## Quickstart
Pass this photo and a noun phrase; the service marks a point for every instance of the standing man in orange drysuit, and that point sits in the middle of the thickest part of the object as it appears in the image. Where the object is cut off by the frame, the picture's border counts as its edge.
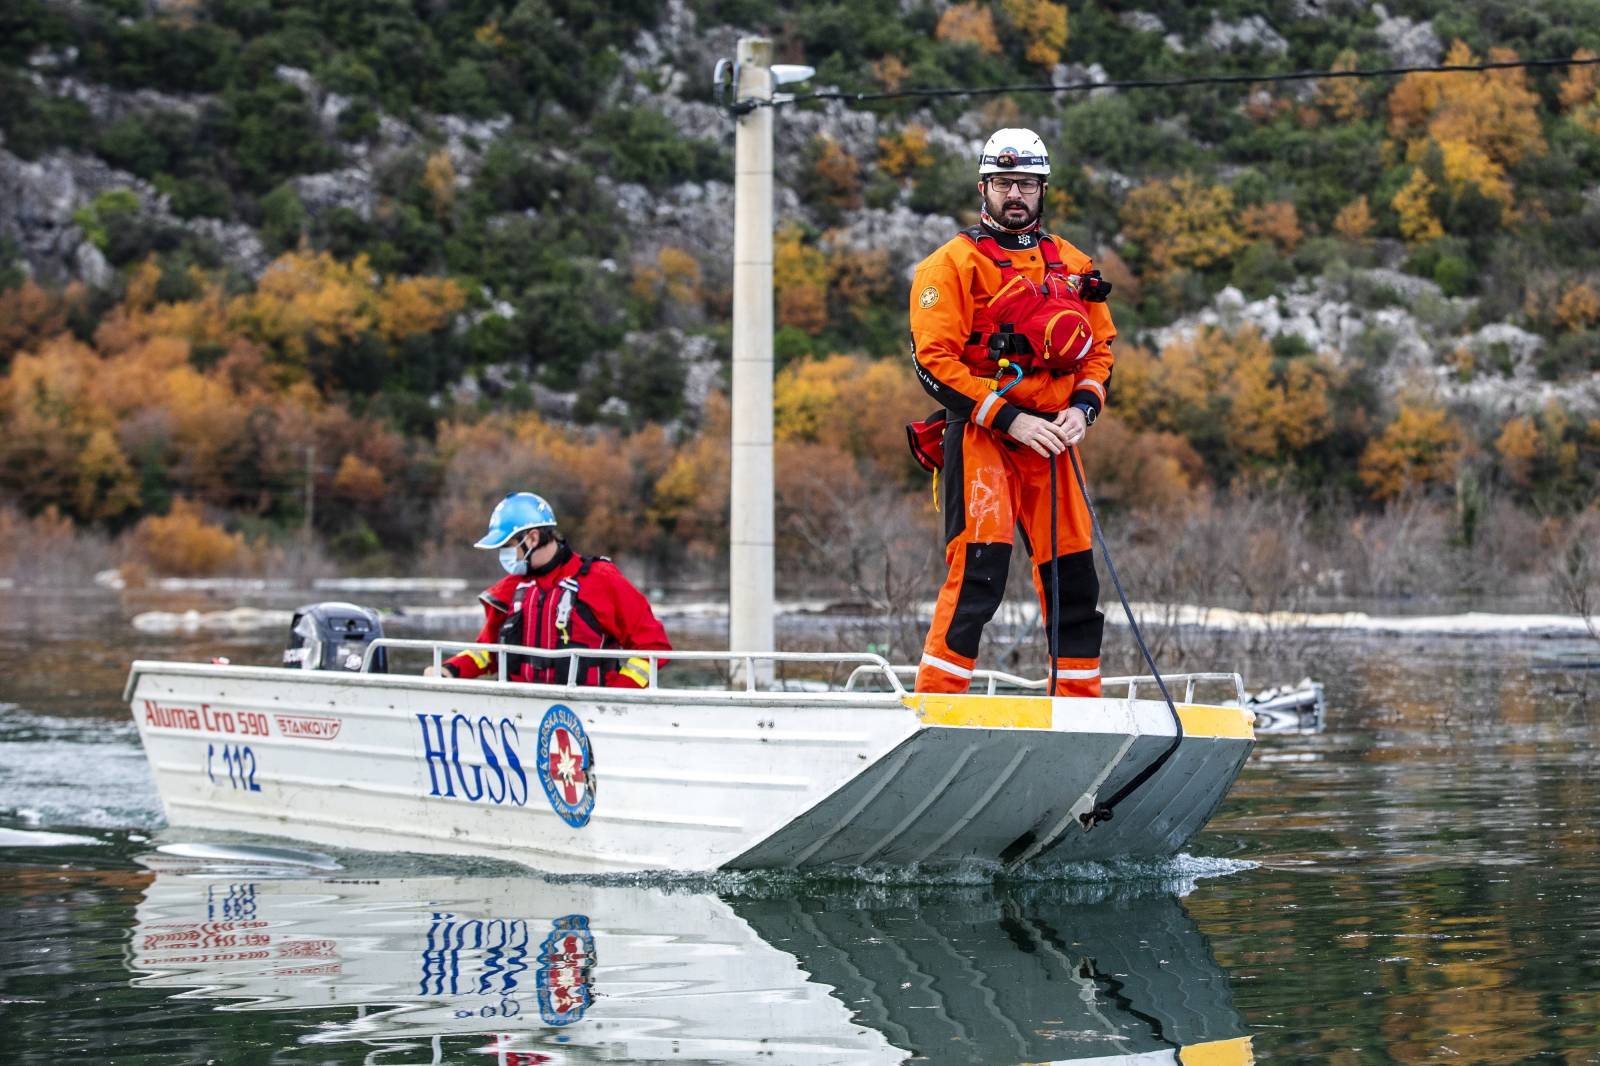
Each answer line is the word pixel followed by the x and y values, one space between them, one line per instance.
pixel 1005 290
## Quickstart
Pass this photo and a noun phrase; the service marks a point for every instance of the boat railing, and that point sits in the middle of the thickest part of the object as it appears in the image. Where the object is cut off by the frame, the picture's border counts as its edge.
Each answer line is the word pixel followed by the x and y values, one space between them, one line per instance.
pixel 1188 681
pixel 993 681
pixel 747 664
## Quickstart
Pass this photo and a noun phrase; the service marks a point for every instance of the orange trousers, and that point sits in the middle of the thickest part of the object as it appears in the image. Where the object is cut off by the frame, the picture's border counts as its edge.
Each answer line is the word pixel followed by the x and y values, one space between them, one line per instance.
pixel 990 488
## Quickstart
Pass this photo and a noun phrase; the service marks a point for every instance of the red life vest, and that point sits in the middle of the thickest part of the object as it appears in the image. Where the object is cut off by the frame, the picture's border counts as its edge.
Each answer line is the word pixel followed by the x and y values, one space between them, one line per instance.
pixel 1037 327
pixel 556 617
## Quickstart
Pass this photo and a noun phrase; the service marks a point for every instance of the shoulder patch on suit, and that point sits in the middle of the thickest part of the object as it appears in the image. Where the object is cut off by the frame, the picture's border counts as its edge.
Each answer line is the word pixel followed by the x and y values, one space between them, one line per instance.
pixel 929 297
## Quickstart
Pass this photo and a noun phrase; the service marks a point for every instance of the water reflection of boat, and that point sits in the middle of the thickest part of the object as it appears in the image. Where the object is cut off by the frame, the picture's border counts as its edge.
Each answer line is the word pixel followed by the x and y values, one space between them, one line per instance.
pixel 1003 977
pixel 524 968
pixel 571 779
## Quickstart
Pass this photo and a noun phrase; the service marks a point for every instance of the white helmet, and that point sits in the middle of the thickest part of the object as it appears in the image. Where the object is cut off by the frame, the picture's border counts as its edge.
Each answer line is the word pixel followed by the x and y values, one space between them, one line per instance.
pixel 1014 151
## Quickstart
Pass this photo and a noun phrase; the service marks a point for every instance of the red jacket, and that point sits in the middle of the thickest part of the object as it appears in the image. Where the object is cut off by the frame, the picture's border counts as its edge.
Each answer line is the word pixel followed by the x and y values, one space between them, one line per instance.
pixel 578 603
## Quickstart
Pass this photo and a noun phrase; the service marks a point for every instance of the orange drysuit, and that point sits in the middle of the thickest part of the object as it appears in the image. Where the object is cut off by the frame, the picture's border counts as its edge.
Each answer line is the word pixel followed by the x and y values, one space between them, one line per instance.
pixel 990 483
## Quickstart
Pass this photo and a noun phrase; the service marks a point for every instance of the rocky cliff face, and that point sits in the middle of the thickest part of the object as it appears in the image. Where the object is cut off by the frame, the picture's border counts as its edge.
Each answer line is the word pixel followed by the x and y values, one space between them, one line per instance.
pixel 1411 330
pixel 41 196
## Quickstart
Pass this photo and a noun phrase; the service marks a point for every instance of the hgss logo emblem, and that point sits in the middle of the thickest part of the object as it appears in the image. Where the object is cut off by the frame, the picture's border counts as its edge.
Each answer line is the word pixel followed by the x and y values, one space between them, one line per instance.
pixel 566 766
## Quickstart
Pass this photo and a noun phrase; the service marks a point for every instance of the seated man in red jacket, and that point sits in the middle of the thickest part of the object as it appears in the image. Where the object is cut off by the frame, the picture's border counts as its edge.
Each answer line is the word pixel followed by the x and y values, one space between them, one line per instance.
pixel 552 597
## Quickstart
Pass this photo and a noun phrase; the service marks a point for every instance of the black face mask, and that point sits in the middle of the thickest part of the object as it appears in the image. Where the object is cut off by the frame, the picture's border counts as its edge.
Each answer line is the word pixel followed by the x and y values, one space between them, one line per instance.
pixel 562 554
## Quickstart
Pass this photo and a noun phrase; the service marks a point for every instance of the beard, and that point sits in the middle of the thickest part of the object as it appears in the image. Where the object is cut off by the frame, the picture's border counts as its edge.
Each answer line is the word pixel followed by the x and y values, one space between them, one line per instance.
pixel 1011 211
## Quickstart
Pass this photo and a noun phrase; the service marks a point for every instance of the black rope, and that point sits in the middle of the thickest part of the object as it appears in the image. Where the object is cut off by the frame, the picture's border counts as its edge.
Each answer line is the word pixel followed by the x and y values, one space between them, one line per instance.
pixel 749 104
pixel 1102 811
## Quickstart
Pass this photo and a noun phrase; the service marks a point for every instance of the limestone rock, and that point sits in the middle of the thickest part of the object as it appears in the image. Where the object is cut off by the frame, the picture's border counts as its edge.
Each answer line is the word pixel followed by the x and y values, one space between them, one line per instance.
pixel 238 243
pixel 1516 344
pixel 1142 22
pixel 1253 31
pixel 300 79
pixel 106 104
pixel 91 266
pixel 37 199
pixel 351 188
pixel 1063 74
pixel 1409 43
pixel 906 235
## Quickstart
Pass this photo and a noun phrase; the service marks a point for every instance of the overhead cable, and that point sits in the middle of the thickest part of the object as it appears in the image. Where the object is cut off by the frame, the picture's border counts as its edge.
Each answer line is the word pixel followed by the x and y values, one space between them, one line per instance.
pixel 749 104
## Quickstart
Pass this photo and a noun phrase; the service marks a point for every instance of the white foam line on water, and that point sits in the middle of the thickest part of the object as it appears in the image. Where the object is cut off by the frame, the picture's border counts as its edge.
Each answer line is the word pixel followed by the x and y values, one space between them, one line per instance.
pixel 236 620
pixel 22 838
pixel 250 854
pixel 1471 624
pixel 391 584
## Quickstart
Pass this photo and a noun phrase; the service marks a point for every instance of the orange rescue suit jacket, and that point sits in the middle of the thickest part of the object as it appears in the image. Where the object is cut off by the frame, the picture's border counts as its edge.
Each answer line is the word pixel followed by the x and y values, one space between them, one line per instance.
pixel 949 288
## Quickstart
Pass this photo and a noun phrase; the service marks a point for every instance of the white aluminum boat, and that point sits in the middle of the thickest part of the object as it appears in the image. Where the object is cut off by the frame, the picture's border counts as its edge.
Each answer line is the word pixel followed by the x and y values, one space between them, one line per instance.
pixel 516 969
pixel 571 779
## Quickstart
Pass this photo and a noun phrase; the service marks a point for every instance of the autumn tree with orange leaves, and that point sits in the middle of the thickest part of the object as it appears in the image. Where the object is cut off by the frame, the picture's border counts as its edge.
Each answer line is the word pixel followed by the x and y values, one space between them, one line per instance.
pixel 1463 136
pixel 211 398
pixel 1224 394
pixel 1182 222
pixel 1421 449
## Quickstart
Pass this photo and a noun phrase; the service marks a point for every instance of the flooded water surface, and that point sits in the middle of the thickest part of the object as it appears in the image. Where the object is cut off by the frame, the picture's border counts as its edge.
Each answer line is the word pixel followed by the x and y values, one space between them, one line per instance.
pixel 1417 883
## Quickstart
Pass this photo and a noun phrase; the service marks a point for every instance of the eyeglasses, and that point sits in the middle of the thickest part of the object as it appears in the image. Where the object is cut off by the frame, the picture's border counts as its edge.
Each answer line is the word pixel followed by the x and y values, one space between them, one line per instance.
pixel 1026 186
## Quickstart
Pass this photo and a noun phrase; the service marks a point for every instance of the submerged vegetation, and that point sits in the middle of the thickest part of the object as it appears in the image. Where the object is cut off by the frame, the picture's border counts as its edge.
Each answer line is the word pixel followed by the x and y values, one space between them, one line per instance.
pixel 338 276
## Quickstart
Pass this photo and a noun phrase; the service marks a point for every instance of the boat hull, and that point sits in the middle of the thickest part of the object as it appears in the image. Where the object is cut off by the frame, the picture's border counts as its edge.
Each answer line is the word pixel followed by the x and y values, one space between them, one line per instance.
pixel 580 780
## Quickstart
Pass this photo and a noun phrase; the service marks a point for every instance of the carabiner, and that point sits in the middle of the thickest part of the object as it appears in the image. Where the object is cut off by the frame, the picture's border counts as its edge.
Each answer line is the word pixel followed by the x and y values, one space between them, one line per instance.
pixel 1006 364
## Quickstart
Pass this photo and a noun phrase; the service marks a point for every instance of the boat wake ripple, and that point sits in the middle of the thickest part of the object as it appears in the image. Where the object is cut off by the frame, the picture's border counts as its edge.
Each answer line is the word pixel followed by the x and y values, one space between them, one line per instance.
pixel 1079 882
pixel 84 772
pixel 229 857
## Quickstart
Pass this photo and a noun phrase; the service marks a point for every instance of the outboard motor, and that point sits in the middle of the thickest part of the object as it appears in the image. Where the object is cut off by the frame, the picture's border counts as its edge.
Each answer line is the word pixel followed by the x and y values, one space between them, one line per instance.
pixel 334 636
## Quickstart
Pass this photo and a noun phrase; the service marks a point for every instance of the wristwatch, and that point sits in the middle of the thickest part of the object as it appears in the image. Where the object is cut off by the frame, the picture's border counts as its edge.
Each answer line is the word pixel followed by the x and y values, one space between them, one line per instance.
pixel 1089 413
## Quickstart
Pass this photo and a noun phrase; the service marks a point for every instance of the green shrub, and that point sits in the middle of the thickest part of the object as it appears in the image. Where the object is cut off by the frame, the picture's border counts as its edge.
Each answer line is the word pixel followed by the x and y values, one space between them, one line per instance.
pixel 465 91
pixel 1455 275
pixel 1259 270
pixel 197 197
pixel 36 122
pixel 283 219
pixel 110 214
pixel 1569 355
pixel 947 187
pixel 12 274
pixel 790 343
pixel 641 145
pixel 164 54
pixel 273 135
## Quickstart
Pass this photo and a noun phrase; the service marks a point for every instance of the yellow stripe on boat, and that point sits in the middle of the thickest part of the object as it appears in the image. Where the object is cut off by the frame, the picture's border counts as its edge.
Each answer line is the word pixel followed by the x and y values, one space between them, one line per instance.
pixel 993 712
pixel 1033 712
pixel 1235 1052
pixel 1201 720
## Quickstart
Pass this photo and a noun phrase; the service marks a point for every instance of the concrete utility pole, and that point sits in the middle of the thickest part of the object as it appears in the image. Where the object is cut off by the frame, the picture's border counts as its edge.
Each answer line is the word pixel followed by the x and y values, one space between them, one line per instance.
pixel 750 551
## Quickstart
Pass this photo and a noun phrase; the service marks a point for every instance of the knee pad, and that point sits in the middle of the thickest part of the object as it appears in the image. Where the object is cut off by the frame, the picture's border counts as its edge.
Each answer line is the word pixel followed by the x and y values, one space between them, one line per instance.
pixel 983 586
pixel 1081 625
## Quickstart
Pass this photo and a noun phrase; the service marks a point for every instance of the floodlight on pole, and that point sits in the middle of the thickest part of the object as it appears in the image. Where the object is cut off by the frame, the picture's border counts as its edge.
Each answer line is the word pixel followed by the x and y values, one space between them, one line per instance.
pixel 788 73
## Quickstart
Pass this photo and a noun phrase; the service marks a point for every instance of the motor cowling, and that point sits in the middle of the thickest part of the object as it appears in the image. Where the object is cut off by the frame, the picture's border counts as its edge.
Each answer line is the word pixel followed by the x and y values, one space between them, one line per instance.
pixel 334 636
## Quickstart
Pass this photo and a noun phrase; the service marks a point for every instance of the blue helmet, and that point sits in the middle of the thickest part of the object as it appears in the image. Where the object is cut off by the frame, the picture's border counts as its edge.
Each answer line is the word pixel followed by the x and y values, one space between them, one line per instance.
pixel 519 511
